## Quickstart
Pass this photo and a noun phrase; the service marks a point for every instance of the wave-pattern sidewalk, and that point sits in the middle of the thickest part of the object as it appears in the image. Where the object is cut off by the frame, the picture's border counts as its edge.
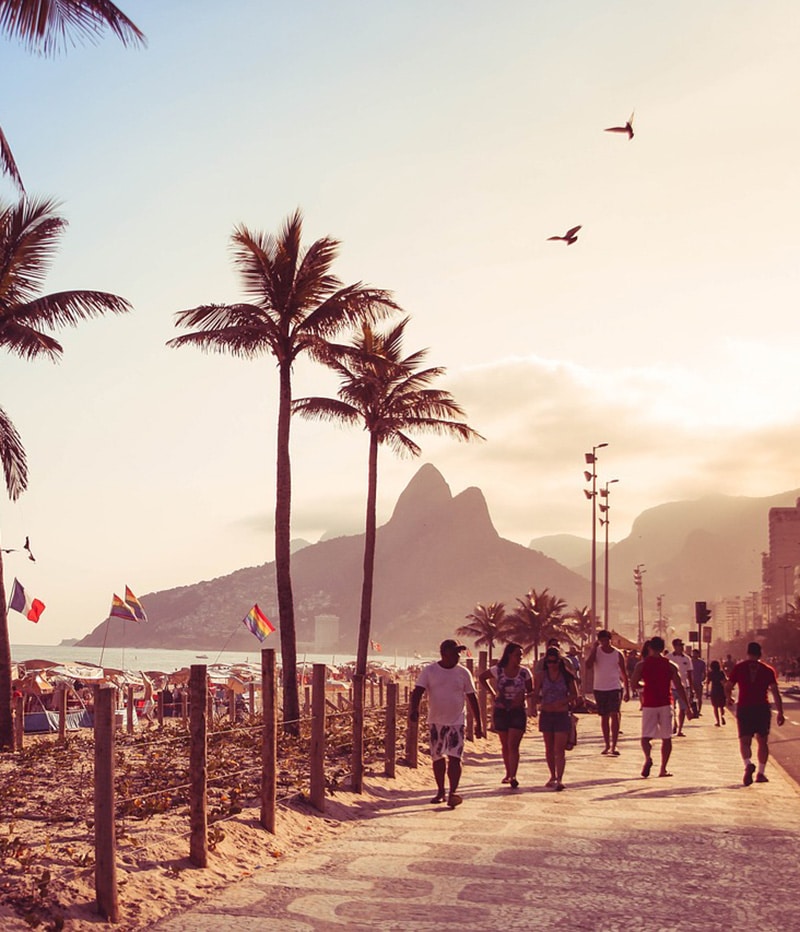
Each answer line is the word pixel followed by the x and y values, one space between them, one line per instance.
pixel 694 851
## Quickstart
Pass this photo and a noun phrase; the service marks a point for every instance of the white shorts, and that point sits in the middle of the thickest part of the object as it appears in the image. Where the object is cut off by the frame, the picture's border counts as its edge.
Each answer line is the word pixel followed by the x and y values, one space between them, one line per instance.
pixel 657 722
pixel 447 741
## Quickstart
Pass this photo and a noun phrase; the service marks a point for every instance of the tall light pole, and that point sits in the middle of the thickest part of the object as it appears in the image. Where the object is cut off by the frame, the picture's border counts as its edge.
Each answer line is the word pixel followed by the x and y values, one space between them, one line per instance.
pixel 637 578
pixel 605 508
pixel 591 460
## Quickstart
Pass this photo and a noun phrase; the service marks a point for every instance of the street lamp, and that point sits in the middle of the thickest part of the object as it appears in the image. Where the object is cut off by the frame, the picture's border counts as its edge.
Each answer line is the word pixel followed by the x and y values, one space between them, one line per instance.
pixel 591 460
pixel 637 578
pixel 605 508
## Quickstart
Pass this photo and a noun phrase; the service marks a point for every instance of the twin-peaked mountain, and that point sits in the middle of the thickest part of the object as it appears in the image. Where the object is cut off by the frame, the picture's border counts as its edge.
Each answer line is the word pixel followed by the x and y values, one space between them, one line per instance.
pixel 435 558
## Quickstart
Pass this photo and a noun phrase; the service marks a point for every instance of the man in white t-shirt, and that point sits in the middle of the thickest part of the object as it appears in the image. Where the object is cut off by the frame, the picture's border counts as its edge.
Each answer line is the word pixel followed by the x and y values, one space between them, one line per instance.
pixel 610 676
pixel 449 686
pixel 684 664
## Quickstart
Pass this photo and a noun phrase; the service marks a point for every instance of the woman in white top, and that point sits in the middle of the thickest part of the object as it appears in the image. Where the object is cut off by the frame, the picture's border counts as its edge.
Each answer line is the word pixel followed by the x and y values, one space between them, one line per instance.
pixel 510 684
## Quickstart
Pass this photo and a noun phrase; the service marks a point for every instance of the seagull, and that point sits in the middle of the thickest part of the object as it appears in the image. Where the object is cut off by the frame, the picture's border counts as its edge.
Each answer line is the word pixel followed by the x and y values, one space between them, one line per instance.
pixel 27 546
pixel 627 128
pixel 569 237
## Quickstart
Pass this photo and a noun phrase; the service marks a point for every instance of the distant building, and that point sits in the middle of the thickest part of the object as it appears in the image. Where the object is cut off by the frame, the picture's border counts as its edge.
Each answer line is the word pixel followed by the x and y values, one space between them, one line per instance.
pixel 780 566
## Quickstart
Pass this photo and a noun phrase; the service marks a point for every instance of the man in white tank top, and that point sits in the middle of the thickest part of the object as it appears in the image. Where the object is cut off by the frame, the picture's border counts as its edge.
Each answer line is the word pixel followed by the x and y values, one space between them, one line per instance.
pixel 610 675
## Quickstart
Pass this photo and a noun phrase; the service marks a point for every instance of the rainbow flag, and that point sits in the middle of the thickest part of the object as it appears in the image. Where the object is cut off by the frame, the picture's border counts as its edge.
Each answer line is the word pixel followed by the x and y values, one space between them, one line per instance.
pixel 135 605
pixel 120 610
pixel 258 623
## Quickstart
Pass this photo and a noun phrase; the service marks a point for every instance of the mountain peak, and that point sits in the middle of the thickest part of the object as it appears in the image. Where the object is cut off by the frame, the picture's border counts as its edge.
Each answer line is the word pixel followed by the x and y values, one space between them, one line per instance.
pixel 426 492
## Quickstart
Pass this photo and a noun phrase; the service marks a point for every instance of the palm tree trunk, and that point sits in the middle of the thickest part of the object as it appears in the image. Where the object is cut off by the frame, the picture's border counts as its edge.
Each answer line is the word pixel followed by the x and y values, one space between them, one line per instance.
pixel 370 537
pixel 283 577
pixel 6 718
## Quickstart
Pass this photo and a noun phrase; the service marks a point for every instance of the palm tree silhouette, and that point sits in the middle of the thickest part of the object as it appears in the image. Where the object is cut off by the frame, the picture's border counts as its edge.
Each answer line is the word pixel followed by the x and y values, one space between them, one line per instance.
pixel 486 625
pixel 535 620
pixel 388 394
pixel 48 26
pixel 29 235
pixel 293 304
pixel 578 624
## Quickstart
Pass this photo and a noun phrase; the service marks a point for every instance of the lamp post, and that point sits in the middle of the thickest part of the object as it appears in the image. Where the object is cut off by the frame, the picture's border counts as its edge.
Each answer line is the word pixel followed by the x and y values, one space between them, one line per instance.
pixel 637 578
pixel 660 605
pixel 605 508
pixel 591 460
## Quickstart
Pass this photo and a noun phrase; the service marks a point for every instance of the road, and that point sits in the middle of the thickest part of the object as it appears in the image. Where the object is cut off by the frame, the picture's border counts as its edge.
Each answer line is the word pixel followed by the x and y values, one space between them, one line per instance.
pixel 784 743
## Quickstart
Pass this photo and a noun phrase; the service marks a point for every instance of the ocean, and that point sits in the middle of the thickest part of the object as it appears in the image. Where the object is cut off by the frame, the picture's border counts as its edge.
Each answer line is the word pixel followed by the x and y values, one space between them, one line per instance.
pixel 167 661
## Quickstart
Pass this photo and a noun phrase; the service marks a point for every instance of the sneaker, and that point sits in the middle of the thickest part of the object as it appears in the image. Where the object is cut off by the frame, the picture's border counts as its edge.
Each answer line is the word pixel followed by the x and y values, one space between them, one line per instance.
pixel 761 778
pixel 749 770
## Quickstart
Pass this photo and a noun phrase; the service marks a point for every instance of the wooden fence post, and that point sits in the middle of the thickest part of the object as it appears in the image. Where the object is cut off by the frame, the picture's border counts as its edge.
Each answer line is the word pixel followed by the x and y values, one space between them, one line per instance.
pixel 105 838
pixel 390 745
pixel 381 685
pixel 19 723
pixel 412 742
pixel 62 715
pixel 160 708
pixel 470 733
pixel 129 710
pixel 357 768
pixel 198 766
pixel 317 761
pixel 251 696
pixel 269 740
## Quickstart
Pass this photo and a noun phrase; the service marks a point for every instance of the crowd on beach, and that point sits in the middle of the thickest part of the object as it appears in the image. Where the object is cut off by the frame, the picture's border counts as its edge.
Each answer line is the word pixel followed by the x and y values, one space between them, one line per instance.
pixel 670 687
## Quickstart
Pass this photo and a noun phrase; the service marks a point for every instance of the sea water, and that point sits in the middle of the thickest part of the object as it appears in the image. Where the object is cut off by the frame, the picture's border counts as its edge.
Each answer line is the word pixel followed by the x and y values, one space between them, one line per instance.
pixel 167 661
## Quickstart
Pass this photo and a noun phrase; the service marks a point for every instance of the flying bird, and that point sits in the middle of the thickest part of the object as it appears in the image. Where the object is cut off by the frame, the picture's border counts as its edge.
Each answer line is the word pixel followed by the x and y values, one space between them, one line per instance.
pixel 569 237
pixel 627 128
pixel 27 546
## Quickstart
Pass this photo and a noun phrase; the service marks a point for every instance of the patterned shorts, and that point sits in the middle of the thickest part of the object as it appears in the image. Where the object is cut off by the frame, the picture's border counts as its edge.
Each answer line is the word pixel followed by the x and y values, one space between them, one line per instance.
pixel 447 741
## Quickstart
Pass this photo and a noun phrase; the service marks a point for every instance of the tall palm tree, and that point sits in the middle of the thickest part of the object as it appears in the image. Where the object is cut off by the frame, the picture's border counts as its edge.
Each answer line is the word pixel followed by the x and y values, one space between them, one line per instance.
pixel 47 26
pixel 485 625
pixel 535 620
pixel 293 302
pixel 387 393
pixel 29 235
pixel 579 625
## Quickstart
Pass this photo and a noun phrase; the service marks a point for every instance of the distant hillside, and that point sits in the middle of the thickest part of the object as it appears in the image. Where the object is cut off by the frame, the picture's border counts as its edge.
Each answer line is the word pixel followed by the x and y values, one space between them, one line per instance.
pixel 567 549
pixel 436 557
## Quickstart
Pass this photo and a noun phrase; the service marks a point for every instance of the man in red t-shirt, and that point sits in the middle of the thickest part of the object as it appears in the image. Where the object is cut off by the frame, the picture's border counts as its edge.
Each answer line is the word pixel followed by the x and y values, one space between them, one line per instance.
pixel 659 675
pixel 754 679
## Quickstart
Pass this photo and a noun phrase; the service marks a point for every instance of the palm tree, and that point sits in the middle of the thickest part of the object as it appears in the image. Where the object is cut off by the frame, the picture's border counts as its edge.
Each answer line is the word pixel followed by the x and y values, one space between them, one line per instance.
pixel 293 302
pixel 388 394
pixel 29 235
pixel 485 627
pixel 534 621
pixel 578 624
pixel 47 26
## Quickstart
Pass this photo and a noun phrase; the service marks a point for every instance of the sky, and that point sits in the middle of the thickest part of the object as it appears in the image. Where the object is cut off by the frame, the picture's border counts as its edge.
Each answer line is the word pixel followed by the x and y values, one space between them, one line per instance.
pixel 441 144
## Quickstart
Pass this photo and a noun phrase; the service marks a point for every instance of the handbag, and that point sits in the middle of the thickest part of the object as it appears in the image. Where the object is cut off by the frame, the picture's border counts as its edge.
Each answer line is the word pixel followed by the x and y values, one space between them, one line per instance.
pixel 572 734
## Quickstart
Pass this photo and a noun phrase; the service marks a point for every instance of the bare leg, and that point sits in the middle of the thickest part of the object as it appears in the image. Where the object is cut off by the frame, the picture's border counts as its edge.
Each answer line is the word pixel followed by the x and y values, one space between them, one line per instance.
pixel 615 718
pixel 549 754
pixel 745 748
pixel 439 771
pixel 762 752
pixel 453 773
pixel 606 732
pixel 559 748
pixel 514 739
pixel 504 747
pixel 666 750
pixel 648 759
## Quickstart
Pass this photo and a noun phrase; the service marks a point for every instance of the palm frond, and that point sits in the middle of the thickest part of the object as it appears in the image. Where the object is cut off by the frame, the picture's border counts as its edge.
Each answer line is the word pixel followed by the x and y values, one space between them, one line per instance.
pixel 48 26
pixel 325 409
pixel 12 454
pixel 8 165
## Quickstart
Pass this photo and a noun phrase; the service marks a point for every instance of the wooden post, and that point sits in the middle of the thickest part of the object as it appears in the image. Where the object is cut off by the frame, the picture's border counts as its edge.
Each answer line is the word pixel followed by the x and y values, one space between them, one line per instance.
pixel 251 696
pixel 19 723
pixel 357 768
pixel 317 761
pixel 307 700
pixel 160 708
pixel 390 745
pixel 470 732
pixel 129 710
pixel 380 692
pixel 210 705
pixel 62 715
pixel 198 766
pixel 184 706
pixel 232 706
pixel 105 839
pixel 269 740
pixel 483 692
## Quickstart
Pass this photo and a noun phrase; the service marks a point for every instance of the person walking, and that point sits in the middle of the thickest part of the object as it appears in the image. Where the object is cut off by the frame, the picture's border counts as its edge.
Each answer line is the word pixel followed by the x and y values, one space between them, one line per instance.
pixel 698 678
pixel 448 685
pixel 553 692
pixel 657 674
pixel 511 686
pixel 610 676
pixel 716 680
pixel 684 664
pixel 754 679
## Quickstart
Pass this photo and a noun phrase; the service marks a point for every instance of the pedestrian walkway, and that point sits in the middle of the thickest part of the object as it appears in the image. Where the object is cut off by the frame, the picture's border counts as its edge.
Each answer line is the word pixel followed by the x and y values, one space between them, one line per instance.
pixel 614 851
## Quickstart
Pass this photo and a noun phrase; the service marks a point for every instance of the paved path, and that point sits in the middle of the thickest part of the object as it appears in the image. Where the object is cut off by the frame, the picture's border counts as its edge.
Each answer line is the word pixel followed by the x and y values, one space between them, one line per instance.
pixel 696 851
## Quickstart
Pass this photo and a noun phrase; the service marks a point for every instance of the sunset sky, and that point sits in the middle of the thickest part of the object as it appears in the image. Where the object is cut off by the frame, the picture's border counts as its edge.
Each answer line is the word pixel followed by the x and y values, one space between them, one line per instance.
pixel 441 144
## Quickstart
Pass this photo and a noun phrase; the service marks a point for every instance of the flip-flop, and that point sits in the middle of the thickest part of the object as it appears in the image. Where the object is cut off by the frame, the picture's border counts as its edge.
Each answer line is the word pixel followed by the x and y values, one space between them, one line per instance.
pixel 666 773
pixel 506 780
pixel 454 800
pixel 615 753
pixel 551 782
pixel 438 798
pixel 648 766
pixel 514 783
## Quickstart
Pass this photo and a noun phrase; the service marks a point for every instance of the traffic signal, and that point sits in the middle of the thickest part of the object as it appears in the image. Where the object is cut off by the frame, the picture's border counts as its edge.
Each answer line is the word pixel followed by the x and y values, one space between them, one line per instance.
pixel 702 614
